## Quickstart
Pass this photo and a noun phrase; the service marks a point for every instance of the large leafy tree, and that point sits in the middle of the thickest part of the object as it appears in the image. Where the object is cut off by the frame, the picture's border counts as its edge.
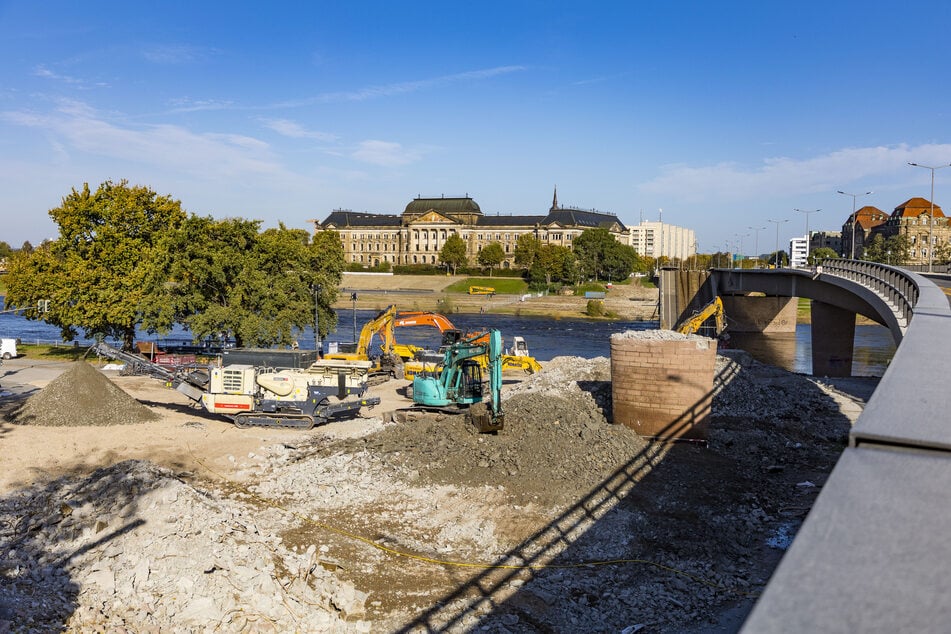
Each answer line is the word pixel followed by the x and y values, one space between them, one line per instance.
pixel 491 255
pixel 93 275
pixel 227 278
pixel 555 262
pixel 891 250
pixel 821 253
pixel 600 255
pixel 453 252
pixel 526 250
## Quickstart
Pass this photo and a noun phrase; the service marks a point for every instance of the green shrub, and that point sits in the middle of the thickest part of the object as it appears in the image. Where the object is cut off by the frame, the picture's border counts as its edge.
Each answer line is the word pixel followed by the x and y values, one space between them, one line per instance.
pixel 595 308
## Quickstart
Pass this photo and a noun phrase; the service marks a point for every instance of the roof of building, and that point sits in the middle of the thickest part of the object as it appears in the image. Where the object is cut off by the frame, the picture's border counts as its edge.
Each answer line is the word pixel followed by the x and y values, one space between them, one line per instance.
pixel 443 205
pixel 346 218
pixel 915 207
pixel 509 221
pixel 582 218
pixel 869 216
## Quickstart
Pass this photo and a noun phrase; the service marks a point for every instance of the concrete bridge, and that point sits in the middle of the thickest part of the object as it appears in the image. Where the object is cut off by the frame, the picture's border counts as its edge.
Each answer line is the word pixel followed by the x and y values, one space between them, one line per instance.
pixel 873 554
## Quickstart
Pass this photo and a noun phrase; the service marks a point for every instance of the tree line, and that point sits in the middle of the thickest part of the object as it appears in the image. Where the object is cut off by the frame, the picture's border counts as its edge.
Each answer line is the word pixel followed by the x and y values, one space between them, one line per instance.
pixel 128 258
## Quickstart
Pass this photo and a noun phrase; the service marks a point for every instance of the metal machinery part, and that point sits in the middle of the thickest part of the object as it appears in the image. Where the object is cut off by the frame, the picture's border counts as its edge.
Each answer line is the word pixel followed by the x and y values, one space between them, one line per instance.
pixel 261 396
pixel 457 385
pixel 694 323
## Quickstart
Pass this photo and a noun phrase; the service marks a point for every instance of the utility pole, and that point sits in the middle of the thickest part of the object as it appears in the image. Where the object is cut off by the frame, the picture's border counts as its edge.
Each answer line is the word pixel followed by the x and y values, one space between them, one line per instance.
pixel 776 255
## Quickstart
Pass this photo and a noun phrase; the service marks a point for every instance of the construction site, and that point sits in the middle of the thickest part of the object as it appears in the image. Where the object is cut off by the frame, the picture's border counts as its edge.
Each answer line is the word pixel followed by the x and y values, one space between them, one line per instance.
pixel 128 505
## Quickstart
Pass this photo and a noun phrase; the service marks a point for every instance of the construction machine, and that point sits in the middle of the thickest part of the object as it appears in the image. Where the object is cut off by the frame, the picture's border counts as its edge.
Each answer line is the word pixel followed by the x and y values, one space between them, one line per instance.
pixel 388 362
pixel 517 358
pixel 265 396
pixel 456 384
pixel 696 322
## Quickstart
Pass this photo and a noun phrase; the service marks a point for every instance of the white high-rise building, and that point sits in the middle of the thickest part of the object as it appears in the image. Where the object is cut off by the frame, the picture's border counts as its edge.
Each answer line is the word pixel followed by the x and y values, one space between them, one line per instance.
pixel 655 239
pixel 799 252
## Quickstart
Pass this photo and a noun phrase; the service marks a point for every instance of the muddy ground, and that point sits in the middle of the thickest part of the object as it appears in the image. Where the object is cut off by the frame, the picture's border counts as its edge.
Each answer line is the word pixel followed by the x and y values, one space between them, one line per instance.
pixel 562 522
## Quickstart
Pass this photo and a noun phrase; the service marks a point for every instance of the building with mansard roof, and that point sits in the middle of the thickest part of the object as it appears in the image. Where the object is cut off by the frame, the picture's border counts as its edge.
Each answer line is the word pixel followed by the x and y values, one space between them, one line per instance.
pixel 857 230
pixel 418 234
pixel 928 235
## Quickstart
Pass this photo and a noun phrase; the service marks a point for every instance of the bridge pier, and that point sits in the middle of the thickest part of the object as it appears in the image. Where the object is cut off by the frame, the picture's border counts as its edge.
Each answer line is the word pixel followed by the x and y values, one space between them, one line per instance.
pixel 833 339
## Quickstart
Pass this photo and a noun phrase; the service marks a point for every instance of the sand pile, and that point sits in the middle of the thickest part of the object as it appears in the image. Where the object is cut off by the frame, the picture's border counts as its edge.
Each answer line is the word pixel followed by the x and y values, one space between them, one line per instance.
pixel 82 396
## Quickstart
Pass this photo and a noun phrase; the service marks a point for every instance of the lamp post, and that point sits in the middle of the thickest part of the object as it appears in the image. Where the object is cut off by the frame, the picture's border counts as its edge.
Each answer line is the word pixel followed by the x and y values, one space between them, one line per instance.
pixel 931 219
pixel 739 246
pixel 807 212
pixel 756 231
pixel 776 255
pixel 854 219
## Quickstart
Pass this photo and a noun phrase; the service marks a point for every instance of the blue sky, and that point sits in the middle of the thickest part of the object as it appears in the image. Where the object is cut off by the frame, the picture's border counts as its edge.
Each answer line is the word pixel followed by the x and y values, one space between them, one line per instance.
pixel 725 115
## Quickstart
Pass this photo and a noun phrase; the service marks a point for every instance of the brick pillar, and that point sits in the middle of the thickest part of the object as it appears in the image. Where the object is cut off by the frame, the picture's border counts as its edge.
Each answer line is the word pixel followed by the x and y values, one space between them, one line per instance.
pixel 662 383
pixel 833 338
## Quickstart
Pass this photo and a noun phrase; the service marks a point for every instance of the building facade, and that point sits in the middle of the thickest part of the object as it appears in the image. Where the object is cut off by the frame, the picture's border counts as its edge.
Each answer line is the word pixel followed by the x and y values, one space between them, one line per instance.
pixel 798 252
pixel 825 239
pixel 928 236
pixel 656 239
pixel 418 234
pixel 857 230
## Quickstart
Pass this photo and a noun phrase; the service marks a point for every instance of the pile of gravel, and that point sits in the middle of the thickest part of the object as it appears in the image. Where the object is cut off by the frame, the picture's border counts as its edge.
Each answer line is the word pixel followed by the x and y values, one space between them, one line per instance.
pixel 132 548
pixel 82 396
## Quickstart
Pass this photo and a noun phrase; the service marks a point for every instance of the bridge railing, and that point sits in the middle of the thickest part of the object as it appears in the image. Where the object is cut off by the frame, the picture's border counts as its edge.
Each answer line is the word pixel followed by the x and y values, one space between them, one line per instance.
pixel 895 285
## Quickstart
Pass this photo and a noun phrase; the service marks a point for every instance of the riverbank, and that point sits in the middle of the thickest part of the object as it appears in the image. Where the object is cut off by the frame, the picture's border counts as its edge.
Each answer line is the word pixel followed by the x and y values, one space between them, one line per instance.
pixel 629 302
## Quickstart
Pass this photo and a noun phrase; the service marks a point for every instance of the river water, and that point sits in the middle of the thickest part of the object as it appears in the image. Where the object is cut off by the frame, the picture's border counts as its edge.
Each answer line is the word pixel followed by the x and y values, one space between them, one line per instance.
pixel 547 338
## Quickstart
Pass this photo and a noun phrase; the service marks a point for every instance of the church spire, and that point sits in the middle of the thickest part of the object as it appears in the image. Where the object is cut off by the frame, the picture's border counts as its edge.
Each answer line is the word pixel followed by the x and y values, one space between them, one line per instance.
pixel 554 200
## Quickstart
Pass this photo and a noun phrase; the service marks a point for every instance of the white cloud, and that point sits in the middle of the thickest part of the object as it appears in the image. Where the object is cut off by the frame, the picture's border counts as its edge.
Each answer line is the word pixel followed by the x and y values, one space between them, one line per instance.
pixel 400 88
pixel 384 153
pixel 75 127
pixel 782 176
pixel 294 130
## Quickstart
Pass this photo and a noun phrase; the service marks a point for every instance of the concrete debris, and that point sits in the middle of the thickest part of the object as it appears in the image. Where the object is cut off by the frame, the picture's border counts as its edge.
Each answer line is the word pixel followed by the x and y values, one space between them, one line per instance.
pixel 385 530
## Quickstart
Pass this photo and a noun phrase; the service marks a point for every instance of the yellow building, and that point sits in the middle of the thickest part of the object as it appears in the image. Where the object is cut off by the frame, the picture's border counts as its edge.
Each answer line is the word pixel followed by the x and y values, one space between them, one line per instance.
pixel 417 235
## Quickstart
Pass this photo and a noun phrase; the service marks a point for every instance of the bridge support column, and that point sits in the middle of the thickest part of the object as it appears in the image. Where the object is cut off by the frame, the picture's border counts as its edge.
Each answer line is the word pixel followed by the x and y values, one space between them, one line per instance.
pixel 833 338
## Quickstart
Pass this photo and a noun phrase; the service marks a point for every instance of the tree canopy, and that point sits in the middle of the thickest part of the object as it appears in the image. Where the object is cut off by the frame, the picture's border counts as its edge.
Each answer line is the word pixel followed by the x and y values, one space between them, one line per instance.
pixel 94 273
pixel 600 255
pixel 126 257
pixel 227 278
pixel 491 255
pixel 453 252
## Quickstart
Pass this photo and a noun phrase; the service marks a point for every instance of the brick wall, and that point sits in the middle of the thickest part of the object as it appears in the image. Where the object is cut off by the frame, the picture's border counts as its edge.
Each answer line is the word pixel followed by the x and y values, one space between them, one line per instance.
pixel 663 388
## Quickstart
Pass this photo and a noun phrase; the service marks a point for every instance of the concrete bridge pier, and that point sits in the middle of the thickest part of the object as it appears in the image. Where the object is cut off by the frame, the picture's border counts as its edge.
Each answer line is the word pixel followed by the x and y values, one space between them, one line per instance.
pixel 833 339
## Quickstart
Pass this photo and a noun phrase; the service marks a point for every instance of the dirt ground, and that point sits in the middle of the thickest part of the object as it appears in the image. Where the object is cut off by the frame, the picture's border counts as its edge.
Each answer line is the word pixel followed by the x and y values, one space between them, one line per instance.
pixel 561 522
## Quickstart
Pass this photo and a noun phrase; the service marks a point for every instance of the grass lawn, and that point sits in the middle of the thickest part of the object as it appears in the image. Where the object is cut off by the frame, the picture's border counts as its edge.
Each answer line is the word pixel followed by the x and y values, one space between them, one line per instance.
pixel 65 352
pixel 508 285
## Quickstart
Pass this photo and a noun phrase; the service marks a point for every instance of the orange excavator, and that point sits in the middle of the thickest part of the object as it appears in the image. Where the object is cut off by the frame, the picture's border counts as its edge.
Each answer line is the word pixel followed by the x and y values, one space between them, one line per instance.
pixel 416 359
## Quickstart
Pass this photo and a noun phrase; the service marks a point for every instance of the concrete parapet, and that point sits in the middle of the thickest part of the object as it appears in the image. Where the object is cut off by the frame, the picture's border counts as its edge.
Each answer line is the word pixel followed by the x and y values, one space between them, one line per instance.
pixel 662 383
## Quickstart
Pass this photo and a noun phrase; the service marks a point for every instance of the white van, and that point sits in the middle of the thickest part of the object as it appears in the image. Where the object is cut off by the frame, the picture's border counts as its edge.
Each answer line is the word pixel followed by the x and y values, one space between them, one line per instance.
pixel 8 348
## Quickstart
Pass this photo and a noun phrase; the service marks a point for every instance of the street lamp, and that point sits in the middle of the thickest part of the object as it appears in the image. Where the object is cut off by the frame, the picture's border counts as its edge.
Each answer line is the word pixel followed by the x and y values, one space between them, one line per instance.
pixel 931 220
pixel 756 231
pixel 739 246
pixel 776 255
pixel 854 219
pixel 807 212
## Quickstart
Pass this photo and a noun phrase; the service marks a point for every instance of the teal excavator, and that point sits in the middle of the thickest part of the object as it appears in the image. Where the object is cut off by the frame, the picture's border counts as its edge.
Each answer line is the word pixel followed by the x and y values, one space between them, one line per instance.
pixel 456 385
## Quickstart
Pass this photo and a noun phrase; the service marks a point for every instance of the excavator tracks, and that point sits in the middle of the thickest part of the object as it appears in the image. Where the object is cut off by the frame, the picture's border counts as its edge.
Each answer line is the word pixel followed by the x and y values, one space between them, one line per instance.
pixel 263 419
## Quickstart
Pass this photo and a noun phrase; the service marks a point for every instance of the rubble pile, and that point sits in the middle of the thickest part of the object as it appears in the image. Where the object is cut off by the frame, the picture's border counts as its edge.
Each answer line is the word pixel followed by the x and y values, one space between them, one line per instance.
pixel 313 535
pixel 133 547
pixel 82 396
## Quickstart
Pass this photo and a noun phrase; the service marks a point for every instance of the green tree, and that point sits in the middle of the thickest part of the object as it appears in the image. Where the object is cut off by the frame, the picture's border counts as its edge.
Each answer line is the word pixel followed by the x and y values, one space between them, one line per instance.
pixel 453 252
pixel 5 250
pixel 555 262
pixel 600 255
pixel 526 250
pixel 491 255
pixel 94 274
pixel 227 278
pixel 891 250
pixel 821 253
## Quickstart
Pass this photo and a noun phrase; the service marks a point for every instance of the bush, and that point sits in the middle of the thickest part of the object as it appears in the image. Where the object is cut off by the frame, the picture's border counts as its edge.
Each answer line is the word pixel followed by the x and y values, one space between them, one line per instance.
pixel 595 308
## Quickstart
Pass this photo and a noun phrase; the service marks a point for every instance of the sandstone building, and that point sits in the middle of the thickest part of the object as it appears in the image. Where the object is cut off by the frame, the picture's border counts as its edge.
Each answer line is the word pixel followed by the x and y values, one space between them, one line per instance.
pixel 928 237
pixel 417 235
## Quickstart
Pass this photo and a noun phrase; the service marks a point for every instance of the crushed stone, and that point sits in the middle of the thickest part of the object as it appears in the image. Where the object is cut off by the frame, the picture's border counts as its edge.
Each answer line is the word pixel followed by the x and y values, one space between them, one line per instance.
pixel 82 396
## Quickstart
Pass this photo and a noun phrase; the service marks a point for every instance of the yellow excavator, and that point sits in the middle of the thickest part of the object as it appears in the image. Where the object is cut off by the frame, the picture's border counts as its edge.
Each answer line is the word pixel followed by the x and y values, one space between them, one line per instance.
pixel 388 362
pixel 517 358
pixel 696 322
